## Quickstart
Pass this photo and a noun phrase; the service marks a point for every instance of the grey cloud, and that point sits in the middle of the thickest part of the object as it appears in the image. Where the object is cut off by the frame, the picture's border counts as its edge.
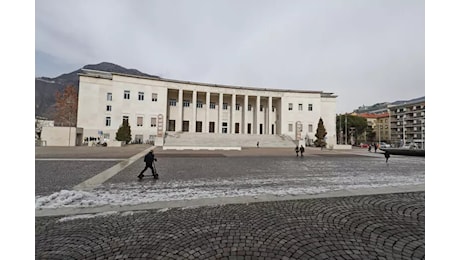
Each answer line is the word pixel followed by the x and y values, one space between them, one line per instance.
pixel 364 51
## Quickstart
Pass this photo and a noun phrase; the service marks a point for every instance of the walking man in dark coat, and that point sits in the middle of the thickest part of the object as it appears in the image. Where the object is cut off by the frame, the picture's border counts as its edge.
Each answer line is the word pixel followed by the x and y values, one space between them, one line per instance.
pixel 387 156
pixel 148 159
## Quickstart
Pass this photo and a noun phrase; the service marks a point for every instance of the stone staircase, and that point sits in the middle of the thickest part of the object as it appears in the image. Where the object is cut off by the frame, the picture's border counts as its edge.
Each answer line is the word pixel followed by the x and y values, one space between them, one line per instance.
pixel 198 141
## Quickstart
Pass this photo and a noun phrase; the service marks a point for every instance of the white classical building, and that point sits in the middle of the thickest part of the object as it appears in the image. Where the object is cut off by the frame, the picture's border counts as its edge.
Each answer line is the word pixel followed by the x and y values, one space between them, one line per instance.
pixel 154 106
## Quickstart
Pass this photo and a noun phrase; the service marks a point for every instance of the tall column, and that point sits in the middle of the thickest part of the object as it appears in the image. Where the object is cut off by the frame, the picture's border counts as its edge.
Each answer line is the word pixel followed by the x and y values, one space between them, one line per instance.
pixel 219 124
pixel 245 115
pixel 233 114
pixel 206 119
pixel 181 111
pixel 269 124
pixel 257 120
pixel 193 123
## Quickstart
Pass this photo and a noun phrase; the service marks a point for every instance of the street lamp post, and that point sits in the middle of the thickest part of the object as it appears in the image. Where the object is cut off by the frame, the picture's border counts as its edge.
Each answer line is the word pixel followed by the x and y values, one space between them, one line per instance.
pixel 423 134
pixel 346 141
pixel 69 103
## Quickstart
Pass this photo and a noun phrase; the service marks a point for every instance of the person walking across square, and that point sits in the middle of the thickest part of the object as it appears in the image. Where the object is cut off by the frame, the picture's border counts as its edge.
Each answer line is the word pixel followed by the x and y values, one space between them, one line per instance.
pixel 148 159
pixel 302 150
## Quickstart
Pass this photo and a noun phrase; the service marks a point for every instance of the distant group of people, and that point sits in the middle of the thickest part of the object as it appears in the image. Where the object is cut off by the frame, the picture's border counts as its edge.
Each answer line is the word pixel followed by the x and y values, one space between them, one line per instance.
pixel 301 150
pixel 374 145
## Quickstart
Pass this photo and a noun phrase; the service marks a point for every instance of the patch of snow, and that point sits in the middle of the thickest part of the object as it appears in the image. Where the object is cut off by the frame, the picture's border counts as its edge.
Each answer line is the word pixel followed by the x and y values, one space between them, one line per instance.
pixel 135 193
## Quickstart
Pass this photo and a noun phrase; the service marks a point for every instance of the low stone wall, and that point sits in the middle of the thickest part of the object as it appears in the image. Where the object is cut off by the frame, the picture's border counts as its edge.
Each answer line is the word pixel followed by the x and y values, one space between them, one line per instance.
pixel 115 143
pixel 200 148
pixel 341 147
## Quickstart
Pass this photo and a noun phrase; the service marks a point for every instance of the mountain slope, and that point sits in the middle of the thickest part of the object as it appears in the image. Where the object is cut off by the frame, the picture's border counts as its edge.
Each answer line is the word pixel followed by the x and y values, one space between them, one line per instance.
pixel 45 88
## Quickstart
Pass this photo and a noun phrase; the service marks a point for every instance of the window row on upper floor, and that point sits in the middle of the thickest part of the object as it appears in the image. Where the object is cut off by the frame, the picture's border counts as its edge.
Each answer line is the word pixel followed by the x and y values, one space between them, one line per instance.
pixel 139 121
pixel 127 95
pixel 299 107
pixel 212 105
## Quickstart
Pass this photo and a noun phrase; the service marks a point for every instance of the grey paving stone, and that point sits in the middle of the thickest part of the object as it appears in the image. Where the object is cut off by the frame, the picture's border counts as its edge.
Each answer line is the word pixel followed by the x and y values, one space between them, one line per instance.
pixel 356 227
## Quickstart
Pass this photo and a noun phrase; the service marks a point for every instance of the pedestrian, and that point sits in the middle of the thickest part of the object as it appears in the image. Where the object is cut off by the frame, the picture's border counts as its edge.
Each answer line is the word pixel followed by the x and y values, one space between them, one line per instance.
pixel 387 156
pixel 375 147
pixel 148 159
pixel 301 150
pixel 369 148
pixel 257 144
pixel 297 151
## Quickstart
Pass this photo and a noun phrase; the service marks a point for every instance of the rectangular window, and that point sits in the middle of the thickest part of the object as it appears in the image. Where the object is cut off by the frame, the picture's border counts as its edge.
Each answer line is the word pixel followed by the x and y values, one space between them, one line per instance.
pixel 224 106
pixel 186 103
pixel 224 127
pixel 185 126
pixel 172 102
pixel 172 125
pixel 106 136
pixel 138 139
pixel 300 107
pixel 290 127
pixel 126 94
pixel 261 108
pixel 211 127
pixel 154 97
pixel 140 121
pixel 107 121
pixel 310 128
pixel 290 106
pixel 212 105
pixel 109 96
pixel 237 107
pixel 249 107
pixel 310 107
pixel 108 108
pixel 140 95
pixel 199 126
pixel 153 122
pixel 199 104
pixel 125 118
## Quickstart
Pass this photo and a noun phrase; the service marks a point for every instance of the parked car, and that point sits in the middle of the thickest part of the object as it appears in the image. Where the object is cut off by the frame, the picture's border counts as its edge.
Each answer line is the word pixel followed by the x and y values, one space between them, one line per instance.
pixel 384 145
pixel 363 145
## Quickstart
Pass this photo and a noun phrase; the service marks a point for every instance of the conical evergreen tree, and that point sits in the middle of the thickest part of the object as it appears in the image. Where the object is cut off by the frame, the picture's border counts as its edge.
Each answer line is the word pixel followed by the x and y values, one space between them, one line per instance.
pixel 124 132
pixel 320 134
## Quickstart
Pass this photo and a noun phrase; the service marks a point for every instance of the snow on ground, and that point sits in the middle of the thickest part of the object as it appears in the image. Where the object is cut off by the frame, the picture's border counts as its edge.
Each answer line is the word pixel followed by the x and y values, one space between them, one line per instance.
pixel 148 192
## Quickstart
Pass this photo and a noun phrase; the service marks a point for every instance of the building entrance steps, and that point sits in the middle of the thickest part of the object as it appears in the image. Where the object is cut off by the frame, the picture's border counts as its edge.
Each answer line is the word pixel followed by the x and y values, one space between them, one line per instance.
pixel 230 141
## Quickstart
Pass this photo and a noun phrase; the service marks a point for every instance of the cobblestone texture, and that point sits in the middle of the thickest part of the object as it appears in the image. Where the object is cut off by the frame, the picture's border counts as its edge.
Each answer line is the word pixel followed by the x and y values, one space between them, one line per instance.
pixel 387 226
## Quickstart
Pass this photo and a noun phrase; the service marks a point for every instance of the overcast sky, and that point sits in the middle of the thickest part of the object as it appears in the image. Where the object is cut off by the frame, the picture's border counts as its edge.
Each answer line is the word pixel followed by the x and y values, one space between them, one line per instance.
pixel 364 51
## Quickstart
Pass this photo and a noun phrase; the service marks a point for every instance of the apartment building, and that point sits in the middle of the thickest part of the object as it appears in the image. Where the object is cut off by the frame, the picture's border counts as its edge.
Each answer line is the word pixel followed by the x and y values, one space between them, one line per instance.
pixel 380 124
pixel 407 122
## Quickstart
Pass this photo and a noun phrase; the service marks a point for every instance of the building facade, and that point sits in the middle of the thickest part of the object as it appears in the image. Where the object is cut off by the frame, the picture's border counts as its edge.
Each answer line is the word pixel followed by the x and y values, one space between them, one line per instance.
pixel 380 125
pixel 153 106
pixel 407 123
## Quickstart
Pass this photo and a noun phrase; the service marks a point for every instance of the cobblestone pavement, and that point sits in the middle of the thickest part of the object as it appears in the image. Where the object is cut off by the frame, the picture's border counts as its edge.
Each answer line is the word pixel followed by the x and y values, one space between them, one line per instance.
pixel 387 226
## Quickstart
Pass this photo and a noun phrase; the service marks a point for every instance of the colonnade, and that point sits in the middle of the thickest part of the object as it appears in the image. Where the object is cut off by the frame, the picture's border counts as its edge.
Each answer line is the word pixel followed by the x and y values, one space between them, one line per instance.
pixel 222 112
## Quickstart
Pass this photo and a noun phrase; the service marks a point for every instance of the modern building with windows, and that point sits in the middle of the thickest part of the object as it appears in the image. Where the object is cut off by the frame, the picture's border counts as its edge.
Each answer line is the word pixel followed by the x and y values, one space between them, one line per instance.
pixel 154 106
pixel 380 125
pixel 407 122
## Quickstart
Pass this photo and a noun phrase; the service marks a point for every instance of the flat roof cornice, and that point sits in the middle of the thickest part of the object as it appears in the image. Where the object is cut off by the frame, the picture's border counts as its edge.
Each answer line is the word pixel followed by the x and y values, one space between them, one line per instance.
pixel 105 74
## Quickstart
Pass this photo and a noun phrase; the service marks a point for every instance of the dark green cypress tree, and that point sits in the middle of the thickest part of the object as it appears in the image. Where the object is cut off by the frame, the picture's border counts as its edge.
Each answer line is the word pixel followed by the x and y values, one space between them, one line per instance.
pixel 124 132
pixel 320 134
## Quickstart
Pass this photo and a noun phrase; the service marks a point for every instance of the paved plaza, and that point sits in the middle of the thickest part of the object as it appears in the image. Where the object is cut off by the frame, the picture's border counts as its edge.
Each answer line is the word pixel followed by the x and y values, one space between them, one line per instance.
pixel 385 222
